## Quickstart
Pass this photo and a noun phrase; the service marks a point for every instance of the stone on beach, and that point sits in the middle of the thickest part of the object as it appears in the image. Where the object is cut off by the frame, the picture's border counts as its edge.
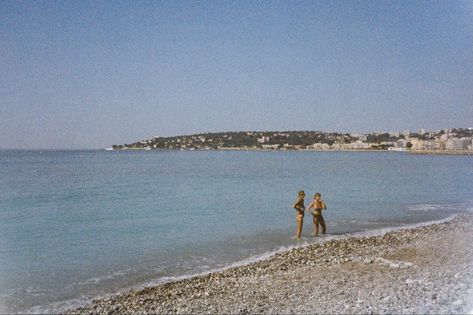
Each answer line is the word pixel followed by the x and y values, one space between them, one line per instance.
pixel 422 270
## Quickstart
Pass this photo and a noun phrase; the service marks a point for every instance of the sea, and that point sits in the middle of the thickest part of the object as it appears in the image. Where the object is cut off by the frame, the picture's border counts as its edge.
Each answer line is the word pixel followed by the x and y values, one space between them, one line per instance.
pixel 77 225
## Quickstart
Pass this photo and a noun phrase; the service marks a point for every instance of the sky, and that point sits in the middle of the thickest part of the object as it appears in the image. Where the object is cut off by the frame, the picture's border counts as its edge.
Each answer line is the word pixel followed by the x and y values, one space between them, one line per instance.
pixel 80 74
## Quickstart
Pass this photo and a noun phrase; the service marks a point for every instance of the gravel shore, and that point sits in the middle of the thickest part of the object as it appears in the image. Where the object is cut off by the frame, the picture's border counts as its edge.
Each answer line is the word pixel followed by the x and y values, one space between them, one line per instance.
pixel 427 269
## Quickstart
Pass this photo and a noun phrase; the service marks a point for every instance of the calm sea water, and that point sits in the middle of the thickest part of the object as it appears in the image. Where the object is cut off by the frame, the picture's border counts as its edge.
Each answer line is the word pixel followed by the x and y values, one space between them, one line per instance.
pixel 79 224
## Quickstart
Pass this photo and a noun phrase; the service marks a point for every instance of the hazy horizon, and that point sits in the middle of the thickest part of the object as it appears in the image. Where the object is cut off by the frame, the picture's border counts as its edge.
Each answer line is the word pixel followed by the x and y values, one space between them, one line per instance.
pixel 224 131
pixel 86 75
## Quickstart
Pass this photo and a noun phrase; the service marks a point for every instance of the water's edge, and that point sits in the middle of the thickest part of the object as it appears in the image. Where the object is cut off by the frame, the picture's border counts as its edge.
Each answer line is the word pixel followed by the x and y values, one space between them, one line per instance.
pixel 61 307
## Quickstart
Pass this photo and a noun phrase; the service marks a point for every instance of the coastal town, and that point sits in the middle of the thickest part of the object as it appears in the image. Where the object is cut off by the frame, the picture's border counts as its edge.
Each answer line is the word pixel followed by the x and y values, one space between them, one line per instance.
pixel 457 140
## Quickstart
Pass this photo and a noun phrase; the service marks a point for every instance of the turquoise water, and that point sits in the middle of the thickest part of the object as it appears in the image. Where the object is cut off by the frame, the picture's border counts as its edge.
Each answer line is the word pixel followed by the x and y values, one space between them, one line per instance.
pixel 79 224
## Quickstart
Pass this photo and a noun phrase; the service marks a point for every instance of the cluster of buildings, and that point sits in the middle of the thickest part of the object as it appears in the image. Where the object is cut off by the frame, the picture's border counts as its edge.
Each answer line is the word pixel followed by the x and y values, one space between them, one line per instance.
pixel 442 140
pixel 447 139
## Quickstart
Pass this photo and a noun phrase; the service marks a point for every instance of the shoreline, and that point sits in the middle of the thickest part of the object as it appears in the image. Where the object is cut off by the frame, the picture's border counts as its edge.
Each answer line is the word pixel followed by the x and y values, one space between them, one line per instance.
pixel 414 152
pixel 214 292
pixel 442 152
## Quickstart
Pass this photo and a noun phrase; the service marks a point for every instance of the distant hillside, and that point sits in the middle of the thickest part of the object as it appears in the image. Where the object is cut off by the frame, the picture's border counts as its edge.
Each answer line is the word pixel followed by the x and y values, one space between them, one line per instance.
pixel 295 140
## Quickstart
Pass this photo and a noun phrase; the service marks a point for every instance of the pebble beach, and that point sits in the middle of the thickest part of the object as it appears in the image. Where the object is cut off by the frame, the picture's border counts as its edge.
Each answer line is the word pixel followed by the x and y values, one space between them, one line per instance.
pixel 420 270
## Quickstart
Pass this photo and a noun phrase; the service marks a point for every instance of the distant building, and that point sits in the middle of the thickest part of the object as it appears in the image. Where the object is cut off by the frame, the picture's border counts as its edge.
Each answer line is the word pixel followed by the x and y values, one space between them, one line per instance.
pixel 358 145
pixel 401 143
pixel 447 131
pixel 406 133
pixel 417 144
pixel 394 134
pixel 458 144
pixel 321 146
pixel 431 145
pixel 263 139
pixel 337 146
pixel 422 132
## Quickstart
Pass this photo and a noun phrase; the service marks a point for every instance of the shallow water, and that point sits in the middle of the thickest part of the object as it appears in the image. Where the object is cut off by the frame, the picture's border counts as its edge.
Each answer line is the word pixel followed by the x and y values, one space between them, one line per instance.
pixel 77 224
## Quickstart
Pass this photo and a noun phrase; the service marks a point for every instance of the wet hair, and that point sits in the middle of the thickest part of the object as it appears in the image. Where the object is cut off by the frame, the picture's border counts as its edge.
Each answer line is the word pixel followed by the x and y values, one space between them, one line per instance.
pixel 317 194
pixel 300 193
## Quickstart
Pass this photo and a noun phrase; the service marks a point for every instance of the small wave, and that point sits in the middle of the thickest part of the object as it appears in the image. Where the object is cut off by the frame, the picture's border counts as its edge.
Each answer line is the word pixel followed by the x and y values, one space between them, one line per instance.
pixel 61 307
pixel 468 206
pixel 428 207
pixel 382 231
pixel 109 277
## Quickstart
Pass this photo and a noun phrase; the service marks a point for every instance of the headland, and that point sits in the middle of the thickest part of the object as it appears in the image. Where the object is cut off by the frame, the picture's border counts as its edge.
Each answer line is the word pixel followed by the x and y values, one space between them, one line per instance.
pixel 447 141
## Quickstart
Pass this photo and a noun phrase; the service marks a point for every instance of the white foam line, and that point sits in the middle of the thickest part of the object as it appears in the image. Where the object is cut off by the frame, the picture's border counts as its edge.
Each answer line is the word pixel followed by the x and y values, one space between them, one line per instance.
pixel 60 307
pixel 382 231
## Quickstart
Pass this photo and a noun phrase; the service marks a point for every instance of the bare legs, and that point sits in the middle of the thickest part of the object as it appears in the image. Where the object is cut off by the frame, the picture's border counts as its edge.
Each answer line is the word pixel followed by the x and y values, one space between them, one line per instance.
pixel 319 219
pixel 299 220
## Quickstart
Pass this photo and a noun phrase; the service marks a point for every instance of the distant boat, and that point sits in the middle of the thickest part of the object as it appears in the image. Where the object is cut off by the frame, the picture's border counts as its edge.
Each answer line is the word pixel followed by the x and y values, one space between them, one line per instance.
pixel 109 149
pixel 147 148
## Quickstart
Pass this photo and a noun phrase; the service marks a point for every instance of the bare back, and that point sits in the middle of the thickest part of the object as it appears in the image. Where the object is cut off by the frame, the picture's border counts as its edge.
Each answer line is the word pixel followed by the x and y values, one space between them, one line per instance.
pixel 299 205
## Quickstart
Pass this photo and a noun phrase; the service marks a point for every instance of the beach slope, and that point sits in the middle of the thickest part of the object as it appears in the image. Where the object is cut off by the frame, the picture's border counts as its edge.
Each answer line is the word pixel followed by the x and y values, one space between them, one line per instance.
pixel 426 269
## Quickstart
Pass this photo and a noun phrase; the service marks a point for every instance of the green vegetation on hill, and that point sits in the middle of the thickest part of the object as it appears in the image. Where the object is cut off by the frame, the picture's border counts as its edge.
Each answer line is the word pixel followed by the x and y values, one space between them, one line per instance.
pixel 284 140
pixel 242 139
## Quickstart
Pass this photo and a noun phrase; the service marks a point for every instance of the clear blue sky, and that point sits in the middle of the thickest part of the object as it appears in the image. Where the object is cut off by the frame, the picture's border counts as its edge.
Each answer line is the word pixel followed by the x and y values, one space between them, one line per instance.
pixel 77 74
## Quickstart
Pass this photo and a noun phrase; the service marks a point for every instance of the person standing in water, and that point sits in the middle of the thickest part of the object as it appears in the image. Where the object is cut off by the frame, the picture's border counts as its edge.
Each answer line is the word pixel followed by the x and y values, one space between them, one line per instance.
pixel 318 205
pixel 300 208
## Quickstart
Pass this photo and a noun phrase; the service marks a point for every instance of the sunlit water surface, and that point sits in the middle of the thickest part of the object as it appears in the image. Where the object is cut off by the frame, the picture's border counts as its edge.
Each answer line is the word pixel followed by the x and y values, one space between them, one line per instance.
pixel 79 224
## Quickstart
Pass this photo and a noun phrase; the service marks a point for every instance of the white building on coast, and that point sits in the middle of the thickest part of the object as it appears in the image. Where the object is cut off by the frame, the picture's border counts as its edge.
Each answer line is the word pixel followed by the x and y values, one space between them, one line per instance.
pixel 319 146
pixel 270 146
pixel 458 144
pixel 263 139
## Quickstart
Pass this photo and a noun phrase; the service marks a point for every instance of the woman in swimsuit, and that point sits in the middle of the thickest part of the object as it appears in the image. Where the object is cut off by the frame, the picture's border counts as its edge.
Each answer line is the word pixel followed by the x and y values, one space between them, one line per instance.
pixel 318 205
pixel 300 208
